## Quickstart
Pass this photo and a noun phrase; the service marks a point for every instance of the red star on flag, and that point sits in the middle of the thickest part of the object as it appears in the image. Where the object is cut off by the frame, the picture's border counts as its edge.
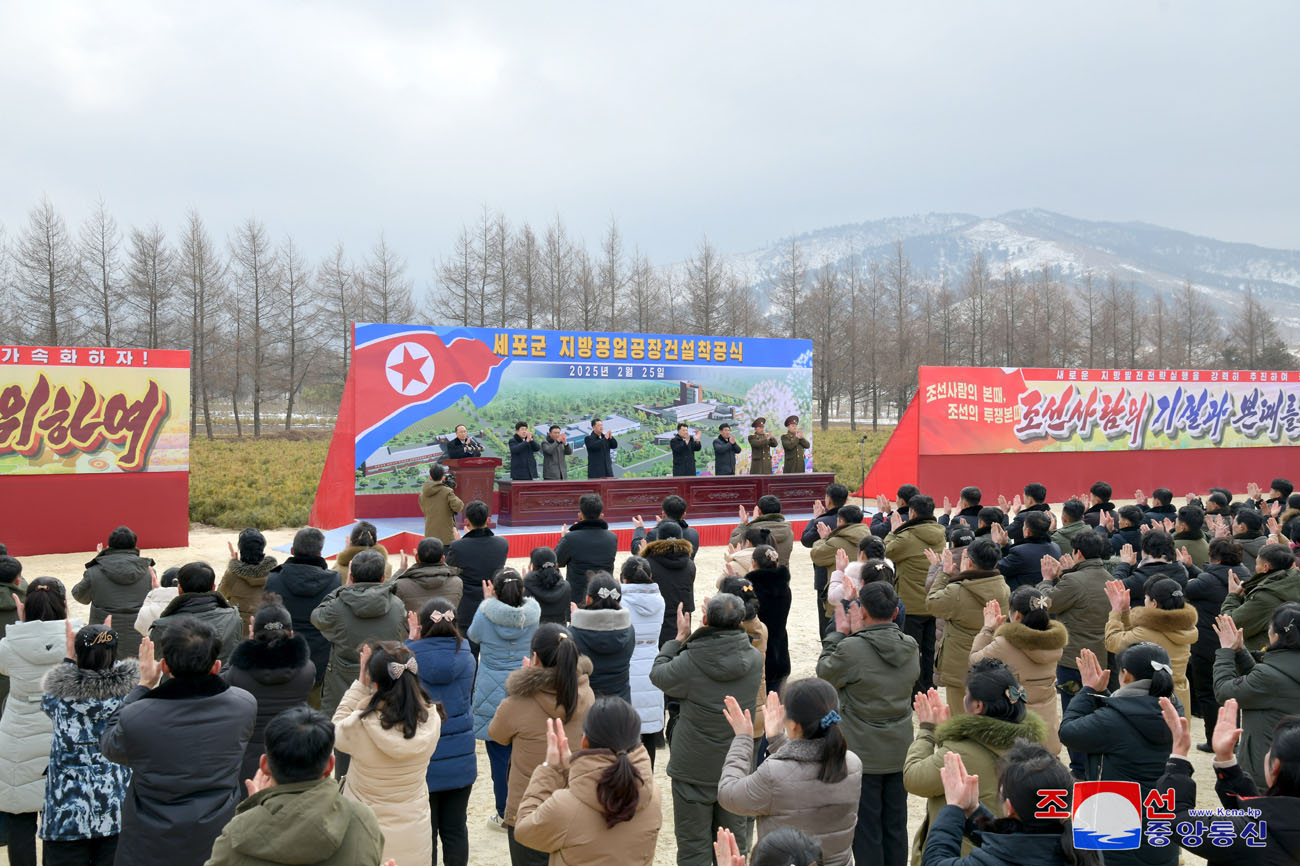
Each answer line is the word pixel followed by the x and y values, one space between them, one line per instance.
pixel 410 368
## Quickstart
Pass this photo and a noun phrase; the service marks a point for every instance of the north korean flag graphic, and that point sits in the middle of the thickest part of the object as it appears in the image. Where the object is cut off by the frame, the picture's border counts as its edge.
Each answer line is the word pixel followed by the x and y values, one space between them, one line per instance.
pixel 406 373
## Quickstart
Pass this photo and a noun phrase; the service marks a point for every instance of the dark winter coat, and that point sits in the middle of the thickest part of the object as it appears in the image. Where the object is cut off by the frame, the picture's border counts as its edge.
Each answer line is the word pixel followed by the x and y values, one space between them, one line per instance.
pixel 809 537
pixel 1080 604
pixel 1205 590
pixel 1156 515
pixel 1261 595
pixel 83 789
pixel 608 639
pixel 302 582
pixel 760 458
pixel 587 547
pixel 1136 576
pixel 184 742
pixel 684 455
pixel 600 457
pixel 674 574
pixel 244 584
pixel 1130 535
pixel 943 847
pixel 794 448
pixel 1265 691
pixel 478 554
pixel 1017 528
pixel 969 516
pixel 554 465
pixel 647 535
pixel 772 586
pixel 279 675
pixel 115 584
pixel 210 607
pixel 425 581
pixel 701 672
pixel 348 617
pixel 873 670
pixel 1023 563
pixel 553 600
pixel 1093 515
pixel 724 456
pixel 447 674
pixel 523 459
pixel 782 534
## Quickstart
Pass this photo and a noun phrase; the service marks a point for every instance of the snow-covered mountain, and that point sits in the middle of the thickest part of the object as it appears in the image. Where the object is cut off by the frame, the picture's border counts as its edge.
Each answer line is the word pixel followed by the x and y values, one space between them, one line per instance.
pixel 1154 258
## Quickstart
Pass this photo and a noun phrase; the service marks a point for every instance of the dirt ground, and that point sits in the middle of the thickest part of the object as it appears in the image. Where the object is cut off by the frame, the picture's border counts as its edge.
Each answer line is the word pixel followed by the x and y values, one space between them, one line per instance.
pixel 488 847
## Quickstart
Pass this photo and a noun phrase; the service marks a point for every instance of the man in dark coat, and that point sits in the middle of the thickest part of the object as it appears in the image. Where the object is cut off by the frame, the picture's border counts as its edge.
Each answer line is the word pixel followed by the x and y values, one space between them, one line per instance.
pixel 761 444
pixel 479 553
pixel 684 446
pixel 600 445
pixel 968 505
pixel 429 578
pixel 794 444
pixel 586 546
pixel 199 598
pixel 1160 507
pixel 674 509
pixel 827 512
pixel 1128 528
pixel 880 521
pixel 523 465
pixel 725 449
pixel 1022 564
pixel 461 446
pixel 554 450
pixel 302 581
pixel 1035 501
pixel 115 584
pixel 184 742
pixel 673 570
pixel 1098 502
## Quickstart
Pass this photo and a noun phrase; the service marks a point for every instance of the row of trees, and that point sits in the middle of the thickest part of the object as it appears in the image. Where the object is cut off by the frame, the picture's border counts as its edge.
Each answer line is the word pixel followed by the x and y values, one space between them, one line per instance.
pixel 267 324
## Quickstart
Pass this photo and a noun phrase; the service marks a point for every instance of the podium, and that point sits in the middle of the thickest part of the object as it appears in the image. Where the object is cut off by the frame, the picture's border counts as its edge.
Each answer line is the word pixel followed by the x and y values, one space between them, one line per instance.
pixel 475 479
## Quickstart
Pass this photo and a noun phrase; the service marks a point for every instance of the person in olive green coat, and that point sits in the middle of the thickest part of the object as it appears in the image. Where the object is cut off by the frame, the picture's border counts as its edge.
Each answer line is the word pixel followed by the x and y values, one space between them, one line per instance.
pixel 794 444
pixel 848 533
pixel 906 546
pixel 440 505
pixel 296 813
pixel 761 444
pixel 1265 690
pixel 1189 534
pixel 1251 604
pixel 959 599
pixel 873 670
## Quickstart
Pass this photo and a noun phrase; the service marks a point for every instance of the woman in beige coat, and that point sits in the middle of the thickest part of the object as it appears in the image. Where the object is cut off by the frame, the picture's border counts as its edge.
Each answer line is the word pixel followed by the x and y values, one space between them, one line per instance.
pixel 390 727
pixel 599 806
pixel 553 684
pixel 1030 643
pixel 1165 620
pixel 959 599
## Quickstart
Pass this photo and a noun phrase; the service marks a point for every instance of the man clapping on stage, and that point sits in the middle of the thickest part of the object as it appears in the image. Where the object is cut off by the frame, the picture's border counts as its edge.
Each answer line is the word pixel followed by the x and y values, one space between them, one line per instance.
pixel 523 465
pixel 684 445
pixel 725 449
pixel 600 445
pixel 554 450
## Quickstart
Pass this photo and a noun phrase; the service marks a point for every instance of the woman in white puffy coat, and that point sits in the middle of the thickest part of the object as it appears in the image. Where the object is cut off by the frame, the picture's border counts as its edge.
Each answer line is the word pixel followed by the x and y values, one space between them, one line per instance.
pixel 641 597
pixel 29 650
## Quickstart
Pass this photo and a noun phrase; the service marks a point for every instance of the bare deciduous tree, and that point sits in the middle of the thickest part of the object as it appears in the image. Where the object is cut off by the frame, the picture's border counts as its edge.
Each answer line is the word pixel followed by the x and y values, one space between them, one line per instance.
pixel 45 276
pixel 101 272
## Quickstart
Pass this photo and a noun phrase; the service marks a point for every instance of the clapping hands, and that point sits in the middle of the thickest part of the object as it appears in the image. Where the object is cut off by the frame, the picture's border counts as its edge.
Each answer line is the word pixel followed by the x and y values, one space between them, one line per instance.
pixel 993 615
pixel 1179 726
pixel 1128 554
pixel 960 788
pixel 1118 594
pixel 1093 675
pixel 823 531
pixel 741 721
pixel 557 745
pixel 842 558
pixel 930 708
pixel 1050 567
pixel 1230 637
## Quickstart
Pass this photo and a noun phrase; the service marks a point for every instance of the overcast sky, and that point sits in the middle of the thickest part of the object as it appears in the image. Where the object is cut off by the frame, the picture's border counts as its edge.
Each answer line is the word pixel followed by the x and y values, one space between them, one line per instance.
pixel 745 121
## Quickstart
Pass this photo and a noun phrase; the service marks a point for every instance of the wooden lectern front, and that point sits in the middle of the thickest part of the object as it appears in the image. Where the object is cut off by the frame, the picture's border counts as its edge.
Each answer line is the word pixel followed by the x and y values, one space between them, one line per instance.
pixel 475 479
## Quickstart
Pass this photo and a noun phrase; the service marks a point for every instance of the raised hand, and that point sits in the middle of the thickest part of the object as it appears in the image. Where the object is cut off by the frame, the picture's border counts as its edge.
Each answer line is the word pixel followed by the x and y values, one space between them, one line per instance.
pixel 455 533
pixel 1118 594
pixel 1093 675
pixel 1169 526
pixel 947 505
pixel 1226 732
pixel 406 561
pixel 993 614
pixel 364 676
pixel 999 534
pixel 819 508
pixel 1144 528
pixel 1234 584
pixel 1004 504
pixel 742 723
pixel 1017 503
pixel 488 590
pixel 921 706
pixel 842 558
pixel 259 782
pixel 1184 556
pixel 882 502
pixel 683 622
pixel 1253 490
pixel 150 667
pixel 773 716
pixel 230 547
pixel 725 851
pixel 932 556
pixel 945 562
pixel 1221 529
pixel 70 640
pixel 557 745
pixel 1274 528
pixel 754 515
pixel 1052 521
pixel 1139 497
pixel 412 626
pixel 744 515
pixel 895 521
pixel 638 522
pixel 564 529
pixel 1050 567
pixel 251 619
pixel 938 707
pixel 960 789
pixel 1178 726
pixel 1107 520
pixel 1230 637
pixel 153 578
pixel 823 531
pixel 1128 554
pixel 1274 509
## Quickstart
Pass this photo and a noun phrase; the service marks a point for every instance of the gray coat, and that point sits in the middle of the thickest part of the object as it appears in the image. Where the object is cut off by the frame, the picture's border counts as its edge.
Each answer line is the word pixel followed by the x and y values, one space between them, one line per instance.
pixel 115 583
pixel 554 466
pixel 724 456
pixel 210 607
pixel 184 742
pixel 349 616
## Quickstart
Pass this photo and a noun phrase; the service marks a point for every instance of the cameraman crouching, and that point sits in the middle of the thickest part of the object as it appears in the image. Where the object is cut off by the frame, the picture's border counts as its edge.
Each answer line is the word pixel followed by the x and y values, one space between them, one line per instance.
pixel 440 505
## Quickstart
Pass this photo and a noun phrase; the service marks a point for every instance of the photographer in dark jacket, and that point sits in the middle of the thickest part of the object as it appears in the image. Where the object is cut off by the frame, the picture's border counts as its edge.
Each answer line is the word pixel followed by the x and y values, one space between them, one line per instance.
pixel 725 449
pixel 523 465
pixel 587 546
pixel 302 581
pixel 479 553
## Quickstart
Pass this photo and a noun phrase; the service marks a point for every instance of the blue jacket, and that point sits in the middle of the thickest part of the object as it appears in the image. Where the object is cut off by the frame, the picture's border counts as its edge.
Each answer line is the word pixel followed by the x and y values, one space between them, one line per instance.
pixel 448 676
pixel 505 636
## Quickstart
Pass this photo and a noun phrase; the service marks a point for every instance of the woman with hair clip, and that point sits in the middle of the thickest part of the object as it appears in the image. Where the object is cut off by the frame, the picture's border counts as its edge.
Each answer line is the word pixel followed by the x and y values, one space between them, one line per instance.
pixel 546 583
pixel 554 683
pixel 598 806
pixel 771 582
pixel 273 665
pixel 364 536
pixel 503 627
pixel 1271 837
pixel 1031 643
pixel 809 781
pixel 1165 619
pixel 1020 837
pixel 245 578
pixel 1122 735
pixel 1265 690
pixel 31 648
pixel 603 631
pixel 757 632
pixel 84 791
pixel 447 674
pixel 997 714
pixel 645 603
pixel 389 726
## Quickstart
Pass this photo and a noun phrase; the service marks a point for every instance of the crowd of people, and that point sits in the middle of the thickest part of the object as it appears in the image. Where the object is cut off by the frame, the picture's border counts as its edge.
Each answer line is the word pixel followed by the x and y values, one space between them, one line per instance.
pixel 299 712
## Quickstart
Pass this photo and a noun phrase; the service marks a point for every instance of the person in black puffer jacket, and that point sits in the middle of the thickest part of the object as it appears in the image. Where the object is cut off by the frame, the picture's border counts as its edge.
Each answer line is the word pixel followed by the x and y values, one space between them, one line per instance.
pixel 771 583
pixel 1159 558
pixel 302 581
pixel 546 583
pixel 1206 589
pixel 674 572
pixel 274 666
pixel 603 631
pixel 1128 529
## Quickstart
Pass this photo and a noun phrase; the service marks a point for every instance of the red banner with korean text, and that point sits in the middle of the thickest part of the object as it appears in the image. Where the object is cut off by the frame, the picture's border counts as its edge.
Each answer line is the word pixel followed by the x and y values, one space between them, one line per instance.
pixel 991 410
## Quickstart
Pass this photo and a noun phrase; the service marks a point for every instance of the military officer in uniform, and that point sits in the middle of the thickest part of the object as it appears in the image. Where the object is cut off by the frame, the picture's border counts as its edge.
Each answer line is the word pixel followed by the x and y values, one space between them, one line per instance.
pixel 761 444
pixel 794 445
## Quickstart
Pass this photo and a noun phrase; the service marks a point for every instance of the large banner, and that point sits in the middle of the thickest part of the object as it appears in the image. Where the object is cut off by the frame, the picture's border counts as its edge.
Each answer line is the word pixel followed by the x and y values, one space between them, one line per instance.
pixel 982 410
pixel 67 410
pixel 415 384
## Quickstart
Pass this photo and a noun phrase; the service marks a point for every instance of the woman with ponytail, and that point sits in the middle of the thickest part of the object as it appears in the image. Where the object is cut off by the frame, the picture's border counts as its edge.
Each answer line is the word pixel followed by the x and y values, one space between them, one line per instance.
pixel 554 683
pixel 996 716
pixel 364 536
pixel 1165 619
pixel 447 674
pixel 1265 690
pixel 603 631
pixel 1123 735
pixel 273 665
pixel 390 727
pixel 546 583
pixel 1031 643
pixel 810 780
pixel 598 806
